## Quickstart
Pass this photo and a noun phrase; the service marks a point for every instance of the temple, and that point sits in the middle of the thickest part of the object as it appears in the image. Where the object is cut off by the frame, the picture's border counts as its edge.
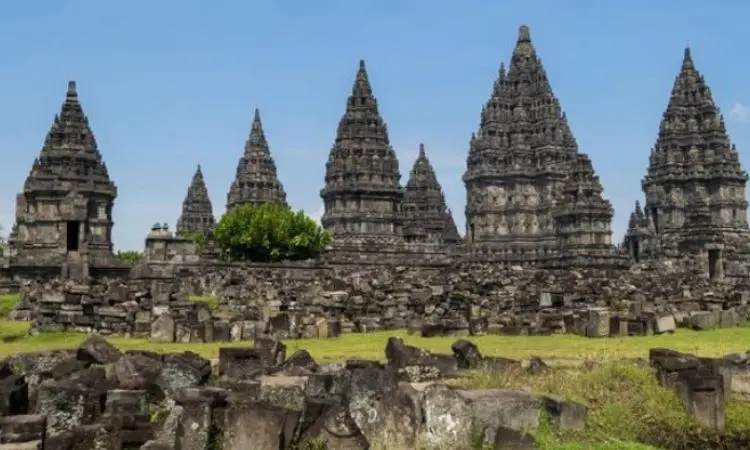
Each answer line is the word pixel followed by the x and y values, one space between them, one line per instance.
pixel 362 194
pixel 696 208
pixel 524 170
pixel 65 209
pixel 197 213
pixel 428 219
pixel 256 180
pixel 532 198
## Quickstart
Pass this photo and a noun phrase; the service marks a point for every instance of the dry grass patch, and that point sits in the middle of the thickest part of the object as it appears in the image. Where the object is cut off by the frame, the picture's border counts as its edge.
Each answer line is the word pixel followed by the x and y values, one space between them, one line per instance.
pixel 626 405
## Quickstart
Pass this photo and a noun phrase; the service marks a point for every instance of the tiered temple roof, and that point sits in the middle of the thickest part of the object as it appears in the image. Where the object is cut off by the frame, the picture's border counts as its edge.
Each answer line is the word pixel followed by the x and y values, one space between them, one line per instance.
pixel 70 173
pixel 428 219
pixel 518 161
pixel 362 193
pixel 693 153
pixel 583 217
pixel 197 212
pixel 256 180
pixel 695 186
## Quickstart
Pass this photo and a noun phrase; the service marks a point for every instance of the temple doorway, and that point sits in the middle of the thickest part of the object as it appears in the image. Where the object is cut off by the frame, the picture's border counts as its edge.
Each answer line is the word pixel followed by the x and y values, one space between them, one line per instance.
pixel 72 231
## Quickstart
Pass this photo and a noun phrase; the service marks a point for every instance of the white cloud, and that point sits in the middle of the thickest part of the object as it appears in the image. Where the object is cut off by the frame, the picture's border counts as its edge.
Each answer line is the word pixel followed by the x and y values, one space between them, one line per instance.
pixel 317 214
pixel 740 112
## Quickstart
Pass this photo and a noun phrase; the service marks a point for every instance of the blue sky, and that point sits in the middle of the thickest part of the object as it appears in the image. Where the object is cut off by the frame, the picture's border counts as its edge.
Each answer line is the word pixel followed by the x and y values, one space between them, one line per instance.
pixel 168 85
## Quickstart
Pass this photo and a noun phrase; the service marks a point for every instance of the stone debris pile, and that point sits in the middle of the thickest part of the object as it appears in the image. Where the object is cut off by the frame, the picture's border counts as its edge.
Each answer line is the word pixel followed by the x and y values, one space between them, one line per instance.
pixel 98 397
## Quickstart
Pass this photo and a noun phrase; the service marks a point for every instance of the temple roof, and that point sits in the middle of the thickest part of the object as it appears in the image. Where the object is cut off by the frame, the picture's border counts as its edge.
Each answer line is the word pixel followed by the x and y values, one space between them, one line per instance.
pixel 256 179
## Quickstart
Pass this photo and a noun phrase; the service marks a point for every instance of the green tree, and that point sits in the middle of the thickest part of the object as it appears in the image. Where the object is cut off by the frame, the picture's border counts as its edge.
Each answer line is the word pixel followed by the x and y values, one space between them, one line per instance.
pixel 196 236
pixel 267 233
pixel 129 255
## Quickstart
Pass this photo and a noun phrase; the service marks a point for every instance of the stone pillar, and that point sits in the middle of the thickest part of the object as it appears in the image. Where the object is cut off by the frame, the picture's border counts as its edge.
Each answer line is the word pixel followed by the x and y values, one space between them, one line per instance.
pixel 598 323
pixel 702 394
pixel 198 424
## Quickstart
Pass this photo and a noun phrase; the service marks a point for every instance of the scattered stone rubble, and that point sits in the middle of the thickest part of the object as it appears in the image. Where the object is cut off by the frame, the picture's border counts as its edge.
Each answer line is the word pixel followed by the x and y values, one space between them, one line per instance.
pixel 703 384
pixel 306 301
pixel 97 397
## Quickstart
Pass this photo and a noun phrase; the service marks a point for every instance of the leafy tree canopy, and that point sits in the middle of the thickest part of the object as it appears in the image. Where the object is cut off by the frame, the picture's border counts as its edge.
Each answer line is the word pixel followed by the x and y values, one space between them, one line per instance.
pixel 268 233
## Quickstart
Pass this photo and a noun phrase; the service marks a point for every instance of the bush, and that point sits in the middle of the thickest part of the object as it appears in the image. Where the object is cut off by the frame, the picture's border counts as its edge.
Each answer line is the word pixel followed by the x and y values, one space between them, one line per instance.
pixel 268 233
pixel 129 255
pixel 195 236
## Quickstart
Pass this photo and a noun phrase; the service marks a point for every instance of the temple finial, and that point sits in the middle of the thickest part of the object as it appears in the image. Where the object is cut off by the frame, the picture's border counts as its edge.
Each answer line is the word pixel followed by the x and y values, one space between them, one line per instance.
pixel 421 150
pixel 687 59
pixel 72 91
pixel 524 35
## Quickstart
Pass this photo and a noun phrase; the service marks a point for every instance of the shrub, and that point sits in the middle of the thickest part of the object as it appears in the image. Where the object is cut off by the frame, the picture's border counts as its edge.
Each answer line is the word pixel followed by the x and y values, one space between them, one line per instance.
pixel 129 255
pixel 195 236
pixel 268 233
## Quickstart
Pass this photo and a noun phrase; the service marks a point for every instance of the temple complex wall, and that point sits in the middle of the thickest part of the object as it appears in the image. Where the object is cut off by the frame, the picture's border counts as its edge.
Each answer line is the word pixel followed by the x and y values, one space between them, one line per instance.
pixel 303 298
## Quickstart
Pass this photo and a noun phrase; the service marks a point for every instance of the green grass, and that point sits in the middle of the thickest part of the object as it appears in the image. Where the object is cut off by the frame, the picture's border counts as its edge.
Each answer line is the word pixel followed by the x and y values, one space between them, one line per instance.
pixel 7 303
pixel 626 405
pixel 211 300
pixel 370 346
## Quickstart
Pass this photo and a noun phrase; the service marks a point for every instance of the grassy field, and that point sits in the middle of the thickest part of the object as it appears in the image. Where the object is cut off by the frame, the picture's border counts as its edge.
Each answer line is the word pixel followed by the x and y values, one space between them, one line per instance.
pixel 370 346
pixel 626 404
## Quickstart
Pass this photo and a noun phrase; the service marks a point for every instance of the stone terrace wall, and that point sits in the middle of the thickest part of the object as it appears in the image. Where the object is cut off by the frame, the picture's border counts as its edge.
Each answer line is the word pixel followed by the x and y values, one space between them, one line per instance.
pixel 302 299
pixel 475 298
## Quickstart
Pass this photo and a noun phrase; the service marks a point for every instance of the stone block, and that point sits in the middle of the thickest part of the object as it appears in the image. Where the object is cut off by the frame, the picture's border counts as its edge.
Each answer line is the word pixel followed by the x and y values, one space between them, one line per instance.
pixel 728 318
pixel 565 415
pixel 22 428
pixel 704 320
pixel 598 322
pixel 163 329
pixel 123 401
pixel 703 396
pixel 241 363
pixel 258 426
pixel 664 324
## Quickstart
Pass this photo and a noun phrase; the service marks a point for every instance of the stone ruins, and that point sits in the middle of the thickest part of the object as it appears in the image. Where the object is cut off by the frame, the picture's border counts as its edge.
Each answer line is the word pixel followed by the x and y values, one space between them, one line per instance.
pixel 537 256
pixel 260 398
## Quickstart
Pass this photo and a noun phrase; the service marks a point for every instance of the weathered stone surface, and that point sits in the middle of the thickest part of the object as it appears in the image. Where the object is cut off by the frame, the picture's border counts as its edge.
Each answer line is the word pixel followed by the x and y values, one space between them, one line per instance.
pixel 531 197
pixel 256 180
pixel 696 207
pixel 96 350
pixel 362 194
pixel 71 175
pixel 197 212
pixel 427 217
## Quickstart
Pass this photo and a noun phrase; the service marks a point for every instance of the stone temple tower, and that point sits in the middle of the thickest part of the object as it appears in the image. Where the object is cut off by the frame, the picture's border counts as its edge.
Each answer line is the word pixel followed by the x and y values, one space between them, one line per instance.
pixel 694 186
pixel 256 180
pixel 362 193
pixel 428 219
pixel 65 208
pixel 197 213
pixel 518 166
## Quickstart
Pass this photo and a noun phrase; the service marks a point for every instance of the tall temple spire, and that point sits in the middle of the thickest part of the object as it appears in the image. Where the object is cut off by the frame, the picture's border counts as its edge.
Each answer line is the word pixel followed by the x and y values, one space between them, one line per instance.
pixel 197 212
pixel 256 180
pixel 362 193
pixel 70 172
pixel 693 154
pixel 427 216
pixel 519 160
